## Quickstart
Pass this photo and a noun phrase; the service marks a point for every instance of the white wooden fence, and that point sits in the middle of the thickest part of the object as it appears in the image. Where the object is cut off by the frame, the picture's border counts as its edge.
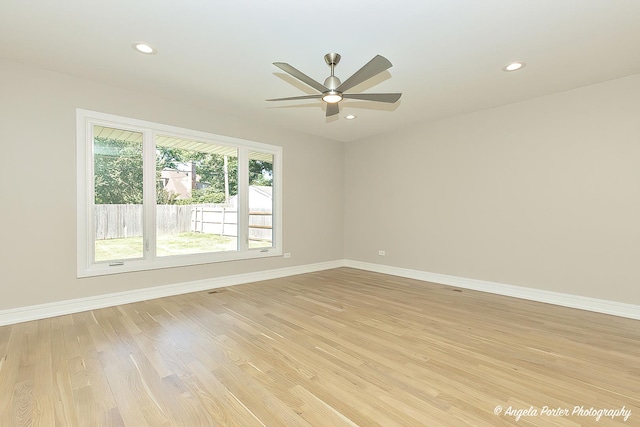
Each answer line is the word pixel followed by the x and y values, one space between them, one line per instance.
pixel 212 219
pixel 119 221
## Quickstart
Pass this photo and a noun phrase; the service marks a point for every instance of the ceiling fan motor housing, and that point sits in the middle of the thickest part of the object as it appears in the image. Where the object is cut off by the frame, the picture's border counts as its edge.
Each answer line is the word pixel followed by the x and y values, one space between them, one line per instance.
pixel 332 82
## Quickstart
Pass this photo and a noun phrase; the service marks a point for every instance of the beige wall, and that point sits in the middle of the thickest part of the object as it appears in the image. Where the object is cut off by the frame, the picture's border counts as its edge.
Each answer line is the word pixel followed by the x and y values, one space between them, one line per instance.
pixel 542 194
pixel 38 213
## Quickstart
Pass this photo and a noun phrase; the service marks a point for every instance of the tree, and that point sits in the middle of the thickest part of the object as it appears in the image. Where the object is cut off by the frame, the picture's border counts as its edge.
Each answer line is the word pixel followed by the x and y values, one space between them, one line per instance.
pixel 260 173
pixel 210 169
pixel 170 157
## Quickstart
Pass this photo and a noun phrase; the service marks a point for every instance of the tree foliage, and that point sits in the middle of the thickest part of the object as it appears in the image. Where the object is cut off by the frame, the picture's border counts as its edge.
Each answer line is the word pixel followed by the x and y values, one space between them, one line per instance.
pixel 260 173
pixel 205 195
pixel 117 172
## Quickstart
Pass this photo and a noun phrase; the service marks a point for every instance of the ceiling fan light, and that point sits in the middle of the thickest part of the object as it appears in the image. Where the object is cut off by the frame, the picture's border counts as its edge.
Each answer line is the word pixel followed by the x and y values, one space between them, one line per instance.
pixel 332 97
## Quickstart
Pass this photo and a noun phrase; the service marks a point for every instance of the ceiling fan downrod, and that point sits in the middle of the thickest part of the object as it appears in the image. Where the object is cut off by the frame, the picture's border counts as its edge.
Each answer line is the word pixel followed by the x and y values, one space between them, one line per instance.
pixel 332 82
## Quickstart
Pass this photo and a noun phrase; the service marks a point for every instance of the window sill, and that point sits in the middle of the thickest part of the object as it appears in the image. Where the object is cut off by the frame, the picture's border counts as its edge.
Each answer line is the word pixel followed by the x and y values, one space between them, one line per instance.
pixel 127 266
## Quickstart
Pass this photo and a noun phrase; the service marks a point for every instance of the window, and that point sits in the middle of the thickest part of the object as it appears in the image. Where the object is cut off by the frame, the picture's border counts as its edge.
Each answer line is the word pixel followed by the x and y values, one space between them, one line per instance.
pixel 156 196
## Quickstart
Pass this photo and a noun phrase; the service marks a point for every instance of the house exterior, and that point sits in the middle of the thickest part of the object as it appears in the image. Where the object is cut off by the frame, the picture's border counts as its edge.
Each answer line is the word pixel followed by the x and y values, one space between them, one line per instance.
pixel 180 182
pixel 177 182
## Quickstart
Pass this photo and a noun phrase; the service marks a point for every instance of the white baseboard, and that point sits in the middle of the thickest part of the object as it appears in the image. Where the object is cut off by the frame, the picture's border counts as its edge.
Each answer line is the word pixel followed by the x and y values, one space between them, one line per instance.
pixel 59 308
pixel 566 300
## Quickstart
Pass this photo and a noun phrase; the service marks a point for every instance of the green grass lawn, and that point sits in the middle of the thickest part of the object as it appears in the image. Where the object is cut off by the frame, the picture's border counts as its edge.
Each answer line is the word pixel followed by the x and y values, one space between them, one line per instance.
pixel 170 244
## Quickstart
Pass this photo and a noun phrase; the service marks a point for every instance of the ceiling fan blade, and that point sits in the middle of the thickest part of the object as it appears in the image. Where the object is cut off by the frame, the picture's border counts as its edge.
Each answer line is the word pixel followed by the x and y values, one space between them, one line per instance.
pixel 378 97
pixel 300 76
pixel 370 69
pixel 332 109
pixel 296 97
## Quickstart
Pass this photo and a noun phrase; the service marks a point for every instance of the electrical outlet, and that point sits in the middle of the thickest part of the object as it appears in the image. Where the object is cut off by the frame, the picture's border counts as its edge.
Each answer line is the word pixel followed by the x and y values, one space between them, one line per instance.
pixel 381 253
pixel 287 255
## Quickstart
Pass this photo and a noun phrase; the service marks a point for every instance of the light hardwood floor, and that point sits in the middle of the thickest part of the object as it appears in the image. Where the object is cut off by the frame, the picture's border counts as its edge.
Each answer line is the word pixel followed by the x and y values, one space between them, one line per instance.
pixel 336 348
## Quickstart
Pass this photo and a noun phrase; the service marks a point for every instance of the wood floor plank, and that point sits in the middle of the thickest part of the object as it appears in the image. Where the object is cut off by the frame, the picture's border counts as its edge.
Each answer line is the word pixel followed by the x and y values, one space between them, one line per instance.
pixel 340 347
pixel 9 371
pixel 64 407
pixel 43 378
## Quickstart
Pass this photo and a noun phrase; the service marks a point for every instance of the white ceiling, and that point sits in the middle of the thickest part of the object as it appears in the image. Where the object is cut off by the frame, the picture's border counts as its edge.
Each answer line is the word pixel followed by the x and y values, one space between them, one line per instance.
pixel 447 54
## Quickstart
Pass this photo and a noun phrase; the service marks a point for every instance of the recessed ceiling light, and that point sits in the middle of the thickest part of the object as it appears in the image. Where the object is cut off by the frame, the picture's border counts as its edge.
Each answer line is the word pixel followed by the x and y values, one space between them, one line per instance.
pixel 350 117
pixel 145 48
pixel 514 66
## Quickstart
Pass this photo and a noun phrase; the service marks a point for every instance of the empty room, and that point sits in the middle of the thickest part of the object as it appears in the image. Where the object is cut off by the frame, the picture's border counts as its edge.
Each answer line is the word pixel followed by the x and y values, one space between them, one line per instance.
pixel 320 213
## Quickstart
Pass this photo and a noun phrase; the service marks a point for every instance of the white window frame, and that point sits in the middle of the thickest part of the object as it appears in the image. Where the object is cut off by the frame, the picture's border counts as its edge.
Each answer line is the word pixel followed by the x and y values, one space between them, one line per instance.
pixel 86 267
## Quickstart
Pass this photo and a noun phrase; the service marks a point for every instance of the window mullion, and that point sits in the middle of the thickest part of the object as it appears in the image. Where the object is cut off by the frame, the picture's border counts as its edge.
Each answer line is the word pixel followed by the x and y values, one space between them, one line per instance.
pixel 86 234
pixel 149 178
pixel 276 218
pixel 243 199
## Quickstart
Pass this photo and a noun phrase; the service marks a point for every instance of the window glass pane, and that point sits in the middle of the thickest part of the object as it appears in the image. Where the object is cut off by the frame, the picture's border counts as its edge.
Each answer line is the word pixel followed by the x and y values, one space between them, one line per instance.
pixel 206 186
pixel 260 200
pixel 196 193
pixel 117 205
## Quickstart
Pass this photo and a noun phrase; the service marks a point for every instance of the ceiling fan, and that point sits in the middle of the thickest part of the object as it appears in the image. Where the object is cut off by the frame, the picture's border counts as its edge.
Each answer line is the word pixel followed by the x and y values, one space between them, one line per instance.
pixel 333 91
